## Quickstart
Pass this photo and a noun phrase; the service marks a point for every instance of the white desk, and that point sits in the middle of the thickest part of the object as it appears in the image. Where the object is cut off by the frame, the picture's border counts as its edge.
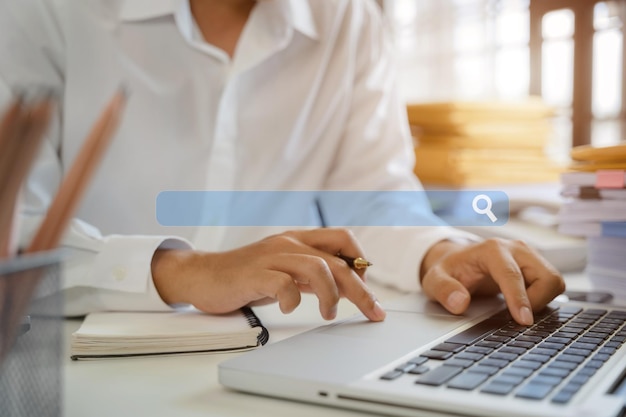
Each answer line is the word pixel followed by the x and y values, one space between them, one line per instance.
pixel 186 386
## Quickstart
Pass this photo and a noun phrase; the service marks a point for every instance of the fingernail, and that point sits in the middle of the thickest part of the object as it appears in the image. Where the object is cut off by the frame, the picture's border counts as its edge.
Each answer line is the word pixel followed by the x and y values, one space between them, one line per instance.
pixel 456 301
pixel 378 314
pixel 526 315
pixel 332 313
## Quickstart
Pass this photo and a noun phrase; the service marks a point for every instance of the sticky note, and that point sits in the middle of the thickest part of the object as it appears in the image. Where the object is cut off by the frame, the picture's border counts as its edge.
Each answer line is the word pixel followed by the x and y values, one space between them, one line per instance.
pixel 610 178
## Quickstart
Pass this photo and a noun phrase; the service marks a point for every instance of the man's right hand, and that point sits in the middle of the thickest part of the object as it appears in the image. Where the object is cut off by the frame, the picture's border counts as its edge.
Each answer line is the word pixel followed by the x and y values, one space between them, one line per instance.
pixel 277 268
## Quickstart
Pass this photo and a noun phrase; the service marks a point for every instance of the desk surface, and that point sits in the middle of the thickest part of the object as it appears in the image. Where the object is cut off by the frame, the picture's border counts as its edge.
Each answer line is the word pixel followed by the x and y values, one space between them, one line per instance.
pixel 186 386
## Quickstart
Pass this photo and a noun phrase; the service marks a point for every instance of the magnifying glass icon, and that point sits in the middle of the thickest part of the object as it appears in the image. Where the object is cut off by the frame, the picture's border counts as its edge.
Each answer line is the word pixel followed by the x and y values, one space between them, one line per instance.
pixel 487 209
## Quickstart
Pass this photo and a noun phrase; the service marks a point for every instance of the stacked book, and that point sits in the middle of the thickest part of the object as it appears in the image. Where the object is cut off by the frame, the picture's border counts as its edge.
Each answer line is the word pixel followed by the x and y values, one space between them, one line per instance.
pixel 482 143
pixel 595 207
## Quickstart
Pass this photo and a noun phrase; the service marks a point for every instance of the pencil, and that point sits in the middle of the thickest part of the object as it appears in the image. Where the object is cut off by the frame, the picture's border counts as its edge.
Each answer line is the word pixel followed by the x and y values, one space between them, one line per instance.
pixel 73 186
pixel 356 263
pixel 24 135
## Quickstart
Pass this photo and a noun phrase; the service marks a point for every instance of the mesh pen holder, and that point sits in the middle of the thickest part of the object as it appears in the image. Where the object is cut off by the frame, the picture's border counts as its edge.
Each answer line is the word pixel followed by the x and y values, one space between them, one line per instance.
pixel 30 363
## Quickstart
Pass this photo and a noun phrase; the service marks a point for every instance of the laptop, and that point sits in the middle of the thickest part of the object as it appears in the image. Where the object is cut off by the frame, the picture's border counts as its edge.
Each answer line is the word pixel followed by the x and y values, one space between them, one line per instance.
pixel 424 361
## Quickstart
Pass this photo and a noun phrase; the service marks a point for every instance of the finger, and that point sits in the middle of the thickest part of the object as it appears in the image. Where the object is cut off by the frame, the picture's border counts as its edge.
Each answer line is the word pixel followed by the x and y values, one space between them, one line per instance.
pixel 311 271
pixel 499 263
pixel 332 241
pixel 543 281
pixel 450 293
pixel 278 286
pixel 354 289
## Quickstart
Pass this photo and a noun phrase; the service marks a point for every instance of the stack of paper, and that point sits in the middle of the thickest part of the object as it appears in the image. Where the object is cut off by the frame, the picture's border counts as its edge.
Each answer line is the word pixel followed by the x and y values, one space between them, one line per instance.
pixel 595 207
pixel 482 143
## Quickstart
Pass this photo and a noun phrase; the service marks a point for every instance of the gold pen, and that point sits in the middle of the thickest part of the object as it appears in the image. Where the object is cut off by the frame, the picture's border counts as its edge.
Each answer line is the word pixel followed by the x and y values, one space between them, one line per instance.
pixel 356 263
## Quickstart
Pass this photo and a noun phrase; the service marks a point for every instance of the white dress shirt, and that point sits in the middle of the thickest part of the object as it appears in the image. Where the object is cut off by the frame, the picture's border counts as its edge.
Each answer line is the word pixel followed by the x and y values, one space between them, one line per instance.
pixel 308 102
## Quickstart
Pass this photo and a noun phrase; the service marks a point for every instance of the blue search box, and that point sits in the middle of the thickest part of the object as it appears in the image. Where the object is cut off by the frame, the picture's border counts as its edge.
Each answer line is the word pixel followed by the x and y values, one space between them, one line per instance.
pixel 332 208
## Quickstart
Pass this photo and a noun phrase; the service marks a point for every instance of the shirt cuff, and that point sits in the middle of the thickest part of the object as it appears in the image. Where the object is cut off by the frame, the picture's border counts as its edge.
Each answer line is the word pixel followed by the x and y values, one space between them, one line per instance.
pixel 122 271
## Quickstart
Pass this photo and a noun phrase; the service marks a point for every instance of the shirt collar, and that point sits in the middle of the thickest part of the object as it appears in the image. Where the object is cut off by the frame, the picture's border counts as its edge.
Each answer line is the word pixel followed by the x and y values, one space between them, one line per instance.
pixel 301 16
pixel 298 12
pixel 138 10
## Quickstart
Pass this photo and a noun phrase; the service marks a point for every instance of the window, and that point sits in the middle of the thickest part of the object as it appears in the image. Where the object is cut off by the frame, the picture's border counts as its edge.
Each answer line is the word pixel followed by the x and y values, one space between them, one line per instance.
pixel 588 35
pixel 569 52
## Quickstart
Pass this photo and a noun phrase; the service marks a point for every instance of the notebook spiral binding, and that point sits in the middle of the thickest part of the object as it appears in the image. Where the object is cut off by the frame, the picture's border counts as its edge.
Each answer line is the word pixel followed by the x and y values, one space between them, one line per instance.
pixel 254 321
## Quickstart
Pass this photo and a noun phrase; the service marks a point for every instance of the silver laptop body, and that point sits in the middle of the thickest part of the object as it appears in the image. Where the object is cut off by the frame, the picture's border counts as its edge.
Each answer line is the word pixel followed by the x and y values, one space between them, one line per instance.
pixel 355 363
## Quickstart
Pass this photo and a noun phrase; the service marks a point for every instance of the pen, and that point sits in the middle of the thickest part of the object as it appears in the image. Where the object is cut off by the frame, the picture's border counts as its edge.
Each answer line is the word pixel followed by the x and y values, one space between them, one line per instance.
pixel 356 263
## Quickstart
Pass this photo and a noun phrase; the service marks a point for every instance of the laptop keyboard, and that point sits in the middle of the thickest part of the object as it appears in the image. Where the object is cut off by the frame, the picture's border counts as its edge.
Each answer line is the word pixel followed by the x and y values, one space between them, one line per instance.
pixel 552 359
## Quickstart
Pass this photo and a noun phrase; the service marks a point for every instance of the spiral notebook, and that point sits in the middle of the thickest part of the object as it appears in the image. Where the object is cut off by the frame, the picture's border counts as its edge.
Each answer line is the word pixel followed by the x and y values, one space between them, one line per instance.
pixel 183 331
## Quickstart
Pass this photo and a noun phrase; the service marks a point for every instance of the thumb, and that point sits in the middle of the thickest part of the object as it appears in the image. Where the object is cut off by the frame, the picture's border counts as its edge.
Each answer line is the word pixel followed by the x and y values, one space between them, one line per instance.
pixel 449 292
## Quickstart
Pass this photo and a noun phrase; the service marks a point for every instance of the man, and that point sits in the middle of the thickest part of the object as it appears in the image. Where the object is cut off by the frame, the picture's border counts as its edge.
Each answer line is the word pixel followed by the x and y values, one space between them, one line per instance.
pixel 240 95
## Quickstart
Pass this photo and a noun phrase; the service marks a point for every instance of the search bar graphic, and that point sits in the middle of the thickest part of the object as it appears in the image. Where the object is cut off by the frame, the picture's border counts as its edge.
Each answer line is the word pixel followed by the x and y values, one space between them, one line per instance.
pixel 332 208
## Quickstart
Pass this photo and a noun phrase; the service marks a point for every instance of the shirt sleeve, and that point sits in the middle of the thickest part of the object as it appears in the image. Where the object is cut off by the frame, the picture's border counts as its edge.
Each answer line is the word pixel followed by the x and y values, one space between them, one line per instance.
pixel 377 153
pixel 102 272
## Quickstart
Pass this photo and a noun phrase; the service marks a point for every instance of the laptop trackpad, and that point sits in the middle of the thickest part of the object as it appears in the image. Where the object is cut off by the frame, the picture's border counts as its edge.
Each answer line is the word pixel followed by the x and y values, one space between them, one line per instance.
pixel 405 328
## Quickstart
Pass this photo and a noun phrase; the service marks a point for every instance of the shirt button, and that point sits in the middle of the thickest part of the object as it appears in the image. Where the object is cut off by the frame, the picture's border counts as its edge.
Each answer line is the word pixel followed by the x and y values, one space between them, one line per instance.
pixel 119 273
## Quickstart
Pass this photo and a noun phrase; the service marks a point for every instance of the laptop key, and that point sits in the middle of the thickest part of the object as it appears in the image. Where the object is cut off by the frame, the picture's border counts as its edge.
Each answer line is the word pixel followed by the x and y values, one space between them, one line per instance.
pixel 498 388
pixel 563 365
pixel 527 364
pixel 463 363
pixel 561 340
pixel 544 351
pixel 525 372
pixel 449 347
pixel 439 376
pixel 534 391
pixel 498 363
pixel 489 344
pixel 607 350
pixel 577 352
pixel 509 357
pixel 512 349
pixel 601 357
pixel 563 397
pixel 587 371
pixel 509 379
pixel 479 349
pixel 571 358
pixel 470 356
pixel 587 346
pixel 468 381
pixel 391 375
pixel 553 346
pixel 546 380
pixel 536 358
pixel 405 367
pixel 437 354
pixel 551 371
pixel 531 339
pixel 483 369
pixel 521 344
pixel 419 370
pixel 594 364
